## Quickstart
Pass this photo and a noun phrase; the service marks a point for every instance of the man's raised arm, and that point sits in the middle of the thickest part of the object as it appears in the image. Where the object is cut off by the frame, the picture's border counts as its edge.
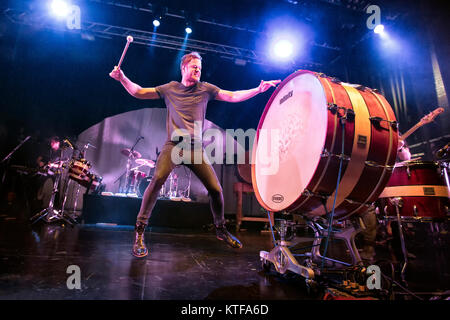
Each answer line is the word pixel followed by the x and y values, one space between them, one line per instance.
pixel 242 95
pixel 134 89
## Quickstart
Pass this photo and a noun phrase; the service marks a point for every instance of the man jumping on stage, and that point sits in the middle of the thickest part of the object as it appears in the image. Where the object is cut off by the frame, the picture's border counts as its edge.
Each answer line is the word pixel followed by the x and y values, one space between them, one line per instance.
pixel 186 103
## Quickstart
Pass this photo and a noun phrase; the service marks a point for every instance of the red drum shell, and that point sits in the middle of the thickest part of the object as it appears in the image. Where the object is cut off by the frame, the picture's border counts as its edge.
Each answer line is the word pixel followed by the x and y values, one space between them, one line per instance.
pixel 422 189
pixel 370 147
pixel 79 170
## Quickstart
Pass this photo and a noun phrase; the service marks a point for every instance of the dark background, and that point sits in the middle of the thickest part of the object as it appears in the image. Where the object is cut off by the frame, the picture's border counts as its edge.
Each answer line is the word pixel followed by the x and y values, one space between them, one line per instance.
pixel 56 82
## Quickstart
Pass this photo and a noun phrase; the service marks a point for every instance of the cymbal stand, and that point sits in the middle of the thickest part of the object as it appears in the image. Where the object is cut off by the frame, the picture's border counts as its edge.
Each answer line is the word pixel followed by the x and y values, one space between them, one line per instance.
pixel 129 160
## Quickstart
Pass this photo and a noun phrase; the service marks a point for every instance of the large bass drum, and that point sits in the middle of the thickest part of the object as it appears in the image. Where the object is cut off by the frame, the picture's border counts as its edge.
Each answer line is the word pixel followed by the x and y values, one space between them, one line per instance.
pixel 297 149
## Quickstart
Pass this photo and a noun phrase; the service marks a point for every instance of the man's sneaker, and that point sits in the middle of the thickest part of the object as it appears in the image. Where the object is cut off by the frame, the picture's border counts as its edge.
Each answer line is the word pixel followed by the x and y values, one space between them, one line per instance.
pixel 223 235
pixel 139 248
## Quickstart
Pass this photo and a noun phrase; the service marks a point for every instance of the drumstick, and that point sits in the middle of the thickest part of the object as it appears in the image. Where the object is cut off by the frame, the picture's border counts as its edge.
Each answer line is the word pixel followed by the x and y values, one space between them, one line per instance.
pixel 129 39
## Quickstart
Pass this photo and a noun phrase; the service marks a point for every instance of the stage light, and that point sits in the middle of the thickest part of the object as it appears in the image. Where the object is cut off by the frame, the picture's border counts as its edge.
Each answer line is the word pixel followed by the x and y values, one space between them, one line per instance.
pixel 60 8
pixel 283 49
pixel 379 29
pixel 156 23
pixel 188 30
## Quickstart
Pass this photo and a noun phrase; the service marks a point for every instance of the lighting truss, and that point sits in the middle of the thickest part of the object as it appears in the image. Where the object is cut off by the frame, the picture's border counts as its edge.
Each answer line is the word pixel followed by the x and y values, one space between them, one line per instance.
pixel 148 38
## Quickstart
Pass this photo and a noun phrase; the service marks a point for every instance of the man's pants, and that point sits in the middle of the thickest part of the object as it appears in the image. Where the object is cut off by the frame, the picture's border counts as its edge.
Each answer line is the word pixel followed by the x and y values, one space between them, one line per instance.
pixel 203 171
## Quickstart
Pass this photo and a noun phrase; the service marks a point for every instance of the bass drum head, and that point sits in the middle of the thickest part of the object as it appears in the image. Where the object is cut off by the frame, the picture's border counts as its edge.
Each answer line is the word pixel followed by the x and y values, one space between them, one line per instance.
pixel 289 141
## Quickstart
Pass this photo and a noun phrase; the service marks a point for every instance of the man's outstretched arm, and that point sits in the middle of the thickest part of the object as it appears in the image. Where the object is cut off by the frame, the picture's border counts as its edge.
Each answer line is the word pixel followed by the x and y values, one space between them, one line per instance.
pixel 134 89
pixel 242 95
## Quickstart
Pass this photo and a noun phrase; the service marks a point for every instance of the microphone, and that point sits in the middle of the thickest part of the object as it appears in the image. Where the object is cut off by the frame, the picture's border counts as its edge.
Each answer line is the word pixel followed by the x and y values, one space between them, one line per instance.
pixel 141 137
pixel 443 151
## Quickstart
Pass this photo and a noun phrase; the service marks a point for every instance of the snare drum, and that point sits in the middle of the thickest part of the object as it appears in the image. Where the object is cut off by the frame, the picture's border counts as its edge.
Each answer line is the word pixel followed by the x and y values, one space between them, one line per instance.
pixel 422 189
pixel 297 149
pixel 79 170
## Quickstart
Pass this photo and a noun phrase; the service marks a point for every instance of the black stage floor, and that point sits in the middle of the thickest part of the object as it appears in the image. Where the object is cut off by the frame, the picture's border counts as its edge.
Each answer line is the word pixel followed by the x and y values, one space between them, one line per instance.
pixel 182 265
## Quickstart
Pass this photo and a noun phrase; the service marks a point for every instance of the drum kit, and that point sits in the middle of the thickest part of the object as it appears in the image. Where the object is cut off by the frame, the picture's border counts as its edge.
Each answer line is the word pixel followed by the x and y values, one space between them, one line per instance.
pixel 134 176
pixel 325 153
pixel 65 172
pixel 138 178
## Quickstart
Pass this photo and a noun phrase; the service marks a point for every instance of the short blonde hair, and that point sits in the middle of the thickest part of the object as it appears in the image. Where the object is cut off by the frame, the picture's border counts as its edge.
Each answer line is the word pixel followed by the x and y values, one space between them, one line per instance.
pixel 188 57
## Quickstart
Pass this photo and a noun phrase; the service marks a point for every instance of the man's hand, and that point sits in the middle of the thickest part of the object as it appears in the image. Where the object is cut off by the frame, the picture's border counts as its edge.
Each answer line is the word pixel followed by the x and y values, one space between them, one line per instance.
pixel 117 74
pixel 265 85
pixel 401 144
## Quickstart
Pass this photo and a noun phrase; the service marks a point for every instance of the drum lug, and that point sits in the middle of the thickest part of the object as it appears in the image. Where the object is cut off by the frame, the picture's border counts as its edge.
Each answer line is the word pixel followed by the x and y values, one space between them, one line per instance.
pixel 415 211
pixel 335 80
pixel 341 156
pixel 308 193
pixel 377 121
pixel 325 153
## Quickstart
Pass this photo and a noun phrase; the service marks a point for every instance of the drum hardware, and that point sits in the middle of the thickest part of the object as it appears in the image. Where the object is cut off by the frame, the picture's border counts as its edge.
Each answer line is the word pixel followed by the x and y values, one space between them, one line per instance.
pixel 131 154
pixel 50 213
pixel 337 206
pixel 308 193
pixel 415 211
pixel 377 165
pixel 360 87
pixel 398 202
pixel 284 258
pixel 326 154
pixel 357 202
pixel 335 80
pixel 348 113
pixel 378 120
pixel 79 172
pixel 145 162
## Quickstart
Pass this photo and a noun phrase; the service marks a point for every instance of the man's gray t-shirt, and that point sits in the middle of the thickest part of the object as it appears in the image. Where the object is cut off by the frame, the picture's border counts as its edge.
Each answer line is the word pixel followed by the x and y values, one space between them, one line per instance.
pixel 185 106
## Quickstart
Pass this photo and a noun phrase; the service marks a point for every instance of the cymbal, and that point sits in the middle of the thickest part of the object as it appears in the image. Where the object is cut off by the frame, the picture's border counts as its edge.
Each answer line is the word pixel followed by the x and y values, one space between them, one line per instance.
pixel 135 154
pixel 146 162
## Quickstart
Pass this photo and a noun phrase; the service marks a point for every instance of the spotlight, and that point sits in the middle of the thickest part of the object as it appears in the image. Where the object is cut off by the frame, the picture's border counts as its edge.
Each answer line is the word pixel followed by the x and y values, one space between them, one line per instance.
pixel 156 23
pixel 60 8
pixel 188 30
pixel 283 49
pixel 379 29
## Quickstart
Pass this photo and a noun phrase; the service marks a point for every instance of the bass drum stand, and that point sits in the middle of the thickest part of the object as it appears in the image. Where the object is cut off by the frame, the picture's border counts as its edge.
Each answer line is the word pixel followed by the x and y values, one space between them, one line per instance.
pixel 310 263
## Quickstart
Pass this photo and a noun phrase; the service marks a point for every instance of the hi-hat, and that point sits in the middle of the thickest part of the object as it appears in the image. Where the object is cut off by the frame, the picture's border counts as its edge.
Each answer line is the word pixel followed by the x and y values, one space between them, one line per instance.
pixel 146 162
pixel 135 154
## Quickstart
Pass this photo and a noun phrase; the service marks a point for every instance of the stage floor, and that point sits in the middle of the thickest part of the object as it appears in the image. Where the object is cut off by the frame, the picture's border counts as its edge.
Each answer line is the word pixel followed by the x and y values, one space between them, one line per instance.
pixel 182 265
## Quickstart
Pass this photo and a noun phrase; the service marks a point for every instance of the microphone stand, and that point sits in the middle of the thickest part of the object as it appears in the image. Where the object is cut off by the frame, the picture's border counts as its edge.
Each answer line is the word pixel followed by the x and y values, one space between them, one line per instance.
pixel 8 157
